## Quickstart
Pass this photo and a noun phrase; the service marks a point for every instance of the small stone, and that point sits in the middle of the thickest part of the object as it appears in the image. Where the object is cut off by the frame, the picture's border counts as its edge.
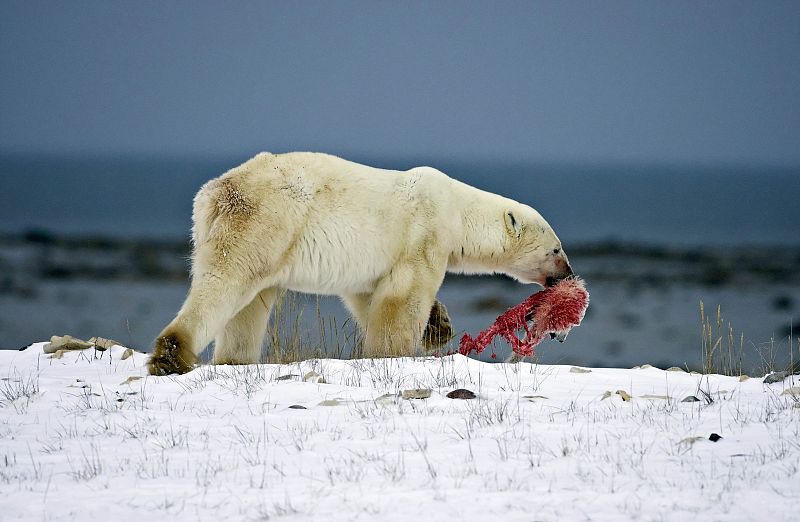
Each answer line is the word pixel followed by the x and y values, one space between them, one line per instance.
pixel 101 343
pixel 714 437
pixel 314 377
pixel 297 407
pixel 287 377
pixel 676 369
pixel 743 378
pixel 534 397
pixel 775 377
pixel 66 342
pixel 690 398
pixel 416 393
pixel 645 366
pixel 461 393
pixel 695 372
pixel 575 369
pixel 331 402
pixel 794 391
pixel 625 395
pixel 127 354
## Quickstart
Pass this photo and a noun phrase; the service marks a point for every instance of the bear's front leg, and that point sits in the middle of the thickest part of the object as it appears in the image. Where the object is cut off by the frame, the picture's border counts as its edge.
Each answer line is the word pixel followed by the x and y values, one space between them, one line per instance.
pixel 400 309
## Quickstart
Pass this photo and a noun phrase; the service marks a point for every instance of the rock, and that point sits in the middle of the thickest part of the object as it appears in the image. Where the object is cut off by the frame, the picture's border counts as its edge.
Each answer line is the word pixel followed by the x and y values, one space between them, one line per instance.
pixel 58 354
pixel 314 377
pixel 676 369
pixel 416 393
pixel 132 378
pixel 743 378
pixel 794 391
pixel 461 393
pixel 127 353
pixel 287 377
pixel 690 398
pixel 575 369
pixel 625 396
pixel 645 366
pixel 297 407
pixel 330 402
pixel 534 397
pixel 66 342
pixel 101 343
pixel 775 377
pixel 714 437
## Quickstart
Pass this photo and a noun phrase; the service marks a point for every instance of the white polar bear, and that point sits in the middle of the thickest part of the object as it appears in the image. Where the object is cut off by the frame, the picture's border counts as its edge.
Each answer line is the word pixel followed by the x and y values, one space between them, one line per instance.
pixel 380 239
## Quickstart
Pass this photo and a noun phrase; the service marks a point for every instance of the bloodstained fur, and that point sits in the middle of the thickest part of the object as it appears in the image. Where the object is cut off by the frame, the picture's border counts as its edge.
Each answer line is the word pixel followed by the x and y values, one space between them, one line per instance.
pixel 552 310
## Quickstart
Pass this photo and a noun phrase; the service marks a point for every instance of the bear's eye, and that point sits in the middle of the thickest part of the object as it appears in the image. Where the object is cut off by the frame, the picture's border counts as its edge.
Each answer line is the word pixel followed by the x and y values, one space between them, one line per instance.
pixel 556 250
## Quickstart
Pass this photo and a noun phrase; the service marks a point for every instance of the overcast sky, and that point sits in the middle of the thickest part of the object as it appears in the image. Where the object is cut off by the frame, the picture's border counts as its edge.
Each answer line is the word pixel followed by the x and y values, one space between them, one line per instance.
pixel 530 81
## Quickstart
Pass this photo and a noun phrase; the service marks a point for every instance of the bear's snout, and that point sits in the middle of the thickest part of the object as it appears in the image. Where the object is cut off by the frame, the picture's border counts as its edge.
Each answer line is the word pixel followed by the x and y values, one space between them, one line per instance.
pixel 563 271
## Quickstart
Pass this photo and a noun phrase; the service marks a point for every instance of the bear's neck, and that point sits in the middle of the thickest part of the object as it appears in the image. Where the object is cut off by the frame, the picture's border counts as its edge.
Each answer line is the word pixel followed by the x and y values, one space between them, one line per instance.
pixel 483 239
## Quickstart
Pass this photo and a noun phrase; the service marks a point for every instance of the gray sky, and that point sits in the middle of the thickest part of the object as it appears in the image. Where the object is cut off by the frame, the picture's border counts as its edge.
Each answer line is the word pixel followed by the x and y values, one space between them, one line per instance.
pixel 530 81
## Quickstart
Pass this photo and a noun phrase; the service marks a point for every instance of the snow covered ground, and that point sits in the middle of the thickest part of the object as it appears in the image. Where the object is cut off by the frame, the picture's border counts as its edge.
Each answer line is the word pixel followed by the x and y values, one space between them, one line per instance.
pixel 91 435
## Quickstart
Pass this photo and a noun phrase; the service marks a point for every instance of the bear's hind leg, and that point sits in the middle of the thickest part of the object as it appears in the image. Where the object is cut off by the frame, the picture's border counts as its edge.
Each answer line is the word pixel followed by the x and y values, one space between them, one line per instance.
pixel 241 339
pixel 212 301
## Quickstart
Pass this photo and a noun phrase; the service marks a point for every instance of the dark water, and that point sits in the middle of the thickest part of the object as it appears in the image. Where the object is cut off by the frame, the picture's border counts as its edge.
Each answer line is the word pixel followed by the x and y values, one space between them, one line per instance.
pixel 663 205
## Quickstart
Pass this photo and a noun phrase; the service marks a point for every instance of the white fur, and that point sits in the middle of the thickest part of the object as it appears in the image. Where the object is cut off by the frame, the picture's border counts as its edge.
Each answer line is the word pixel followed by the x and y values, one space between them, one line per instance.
pixel 380 239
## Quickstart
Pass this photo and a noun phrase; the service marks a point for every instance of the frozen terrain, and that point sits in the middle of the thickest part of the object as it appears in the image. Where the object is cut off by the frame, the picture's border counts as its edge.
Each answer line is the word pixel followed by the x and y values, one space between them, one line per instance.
pixel 90 435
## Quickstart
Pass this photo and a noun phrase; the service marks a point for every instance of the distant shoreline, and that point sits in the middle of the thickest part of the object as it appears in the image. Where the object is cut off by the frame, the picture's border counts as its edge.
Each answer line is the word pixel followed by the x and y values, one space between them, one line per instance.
pixel 41 254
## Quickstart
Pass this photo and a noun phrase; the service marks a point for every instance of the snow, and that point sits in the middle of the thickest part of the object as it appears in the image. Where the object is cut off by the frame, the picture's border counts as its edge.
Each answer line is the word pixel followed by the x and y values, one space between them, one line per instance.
pixel 79 439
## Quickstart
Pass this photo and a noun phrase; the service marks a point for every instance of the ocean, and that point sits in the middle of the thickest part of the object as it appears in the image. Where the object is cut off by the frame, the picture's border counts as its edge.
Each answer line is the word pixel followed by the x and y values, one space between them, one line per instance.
pixel 151 197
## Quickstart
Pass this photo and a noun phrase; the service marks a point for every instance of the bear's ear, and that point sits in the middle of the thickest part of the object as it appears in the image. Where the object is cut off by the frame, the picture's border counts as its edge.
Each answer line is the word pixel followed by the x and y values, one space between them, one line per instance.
pixel 513 225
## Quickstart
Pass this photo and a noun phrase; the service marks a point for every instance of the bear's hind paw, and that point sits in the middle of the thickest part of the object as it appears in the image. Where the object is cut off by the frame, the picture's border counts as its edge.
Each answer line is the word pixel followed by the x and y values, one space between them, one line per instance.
pixel 170 356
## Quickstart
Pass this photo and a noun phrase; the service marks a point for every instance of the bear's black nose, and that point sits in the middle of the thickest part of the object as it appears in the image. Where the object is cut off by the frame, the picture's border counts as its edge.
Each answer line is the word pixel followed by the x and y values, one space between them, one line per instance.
pixel 552 280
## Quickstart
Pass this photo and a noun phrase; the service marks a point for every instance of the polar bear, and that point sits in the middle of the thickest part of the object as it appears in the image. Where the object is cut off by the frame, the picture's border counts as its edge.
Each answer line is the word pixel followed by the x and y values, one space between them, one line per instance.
pixel 380 239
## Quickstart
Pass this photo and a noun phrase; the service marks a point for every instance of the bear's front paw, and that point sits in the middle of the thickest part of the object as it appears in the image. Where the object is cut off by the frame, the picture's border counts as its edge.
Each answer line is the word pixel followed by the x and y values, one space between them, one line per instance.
pixel 170 355
pixel 439 329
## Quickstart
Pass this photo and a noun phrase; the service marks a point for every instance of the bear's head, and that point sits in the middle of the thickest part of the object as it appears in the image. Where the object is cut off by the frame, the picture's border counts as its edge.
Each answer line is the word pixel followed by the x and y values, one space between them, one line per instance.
pixel 533 252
